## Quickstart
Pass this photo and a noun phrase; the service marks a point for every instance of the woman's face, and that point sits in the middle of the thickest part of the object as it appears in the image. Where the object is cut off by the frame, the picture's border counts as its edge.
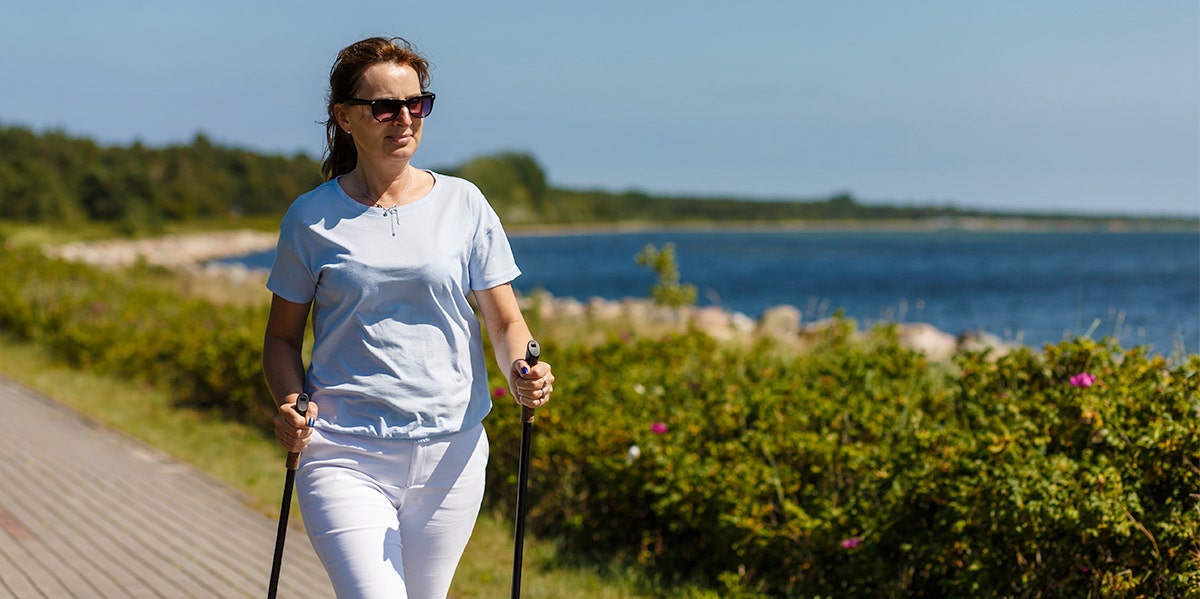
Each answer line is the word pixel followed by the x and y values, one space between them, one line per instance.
pixel 393 139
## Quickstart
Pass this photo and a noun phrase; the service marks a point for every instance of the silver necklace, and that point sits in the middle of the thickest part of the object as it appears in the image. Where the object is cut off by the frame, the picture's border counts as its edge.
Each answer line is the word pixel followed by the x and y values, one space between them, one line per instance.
pixel 361 182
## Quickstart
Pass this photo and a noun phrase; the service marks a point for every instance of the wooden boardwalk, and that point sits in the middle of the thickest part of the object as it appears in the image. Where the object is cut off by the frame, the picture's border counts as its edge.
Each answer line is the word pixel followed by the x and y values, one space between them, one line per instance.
pixel 86 512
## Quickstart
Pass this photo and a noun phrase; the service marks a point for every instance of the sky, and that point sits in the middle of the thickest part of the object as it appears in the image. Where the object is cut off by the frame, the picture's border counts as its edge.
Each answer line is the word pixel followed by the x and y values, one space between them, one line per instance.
pixel 1080 106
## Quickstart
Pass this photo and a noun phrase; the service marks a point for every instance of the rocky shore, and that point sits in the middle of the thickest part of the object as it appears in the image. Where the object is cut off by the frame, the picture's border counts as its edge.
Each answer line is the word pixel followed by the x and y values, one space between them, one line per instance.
pixel 193 254
pixel 785 324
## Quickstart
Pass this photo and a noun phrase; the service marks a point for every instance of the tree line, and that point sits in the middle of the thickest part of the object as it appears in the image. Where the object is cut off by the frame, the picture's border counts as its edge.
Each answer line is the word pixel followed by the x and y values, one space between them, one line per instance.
pixel 55 177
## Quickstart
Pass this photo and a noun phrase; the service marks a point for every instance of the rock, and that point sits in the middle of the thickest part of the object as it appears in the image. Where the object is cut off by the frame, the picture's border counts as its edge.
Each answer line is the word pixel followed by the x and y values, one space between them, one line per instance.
pixel 927 339
pixel 742 323
pixel 602 309
pixel 979 341
pixel 713 321
pixel 645 311
pixel 815 332
pixel 568 308
pixel 781 322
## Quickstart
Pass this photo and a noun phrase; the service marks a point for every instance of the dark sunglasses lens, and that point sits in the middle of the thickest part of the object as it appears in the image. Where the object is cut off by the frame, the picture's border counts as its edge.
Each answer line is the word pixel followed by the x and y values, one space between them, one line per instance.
pixel 386 110
pixel 420 106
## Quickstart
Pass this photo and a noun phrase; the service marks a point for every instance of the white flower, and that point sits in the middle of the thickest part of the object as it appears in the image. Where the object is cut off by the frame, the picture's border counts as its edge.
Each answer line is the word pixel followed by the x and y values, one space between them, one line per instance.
pixel 634 453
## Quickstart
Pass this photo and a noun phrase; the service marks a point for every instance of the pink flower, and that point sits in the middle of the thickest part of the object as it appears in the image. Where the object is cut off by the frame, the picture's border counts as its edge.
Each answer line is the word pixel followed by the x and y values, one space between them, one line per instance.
pixel 658 428
pixel 499 392
pixel 1083 379
pixel 851 543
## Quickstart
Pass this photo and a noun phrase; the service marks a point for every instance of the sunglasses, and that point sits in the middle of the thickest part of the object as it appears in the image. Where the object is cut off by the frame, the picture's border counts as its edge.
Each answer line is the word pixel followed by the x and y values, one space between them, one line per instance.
pixel 389 110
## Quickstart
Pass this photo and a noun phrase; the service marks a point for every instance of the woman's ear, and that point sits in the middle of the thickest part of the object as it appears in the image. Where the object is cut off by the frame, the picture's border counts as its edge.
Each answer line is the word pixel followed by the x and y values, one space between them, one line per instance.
pixel 342 118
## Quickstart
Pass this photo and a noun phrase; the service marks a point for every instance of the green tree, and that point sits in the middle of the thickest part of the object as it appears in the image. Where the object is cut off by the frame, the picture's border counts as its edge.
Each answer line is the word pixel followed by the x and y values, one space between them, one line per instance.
pixel 668 291
pixel 513 182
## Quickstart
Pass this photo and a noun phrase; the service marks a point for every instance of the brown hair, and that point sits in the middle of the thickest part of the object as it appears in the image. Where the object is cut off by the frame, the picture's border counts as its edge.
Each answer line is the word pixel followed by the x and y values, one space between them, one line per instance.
pixel 347 70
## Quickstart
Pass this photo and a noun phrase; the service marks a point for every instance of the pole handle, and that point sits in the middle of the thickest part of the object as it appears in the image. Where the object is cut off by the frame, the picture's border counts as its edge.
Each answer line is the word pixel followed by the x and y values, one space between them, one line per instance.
pixel 533 351
pixel 301 407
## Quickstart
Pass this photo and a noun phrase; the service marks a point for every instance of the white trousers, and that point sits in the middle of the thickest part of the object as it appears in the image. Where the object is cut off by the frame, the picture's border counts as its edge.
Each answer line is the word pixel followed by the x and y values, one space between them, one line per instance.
pixel 390 518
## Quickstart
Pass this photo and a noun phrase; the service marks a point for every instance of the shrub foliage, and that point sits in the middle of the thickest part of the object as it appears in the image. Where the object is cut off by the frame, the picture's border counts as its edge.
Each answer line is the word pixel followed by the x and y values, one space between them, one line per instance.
pixel 862 470
pixel 856 469
pixel 121 323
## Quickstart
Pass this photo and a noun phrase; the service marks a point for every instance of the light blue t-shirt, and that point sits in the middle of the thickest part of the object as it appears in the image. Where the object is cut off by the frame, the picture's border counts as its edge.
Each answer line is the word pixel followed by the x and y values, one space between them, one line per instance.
pixel 397 351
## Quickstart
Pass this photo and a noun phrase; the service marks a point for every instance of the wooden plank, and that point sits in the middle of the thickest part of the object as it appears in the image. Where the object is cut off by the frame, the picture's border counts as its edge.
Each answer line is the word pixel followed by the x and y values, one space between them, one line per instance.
pixel 115 518
pixel 14 528
pixel 14 582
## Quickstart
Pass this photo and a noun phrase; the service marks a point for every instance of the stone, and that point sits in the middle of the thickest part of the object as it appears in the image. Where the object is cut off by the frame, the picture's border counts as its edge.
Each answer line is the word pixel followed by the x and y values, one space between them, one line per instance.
pixel 714 322
pixel 781 322
pixel 979 341
pixel 927 339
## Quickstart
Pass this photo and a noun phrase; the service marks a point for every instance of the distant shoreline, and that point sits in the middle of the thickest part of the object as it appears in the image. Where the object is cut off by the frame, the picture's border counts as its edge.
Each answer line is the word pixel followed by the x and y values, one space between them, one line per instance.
pixel 966 224
pixel 198 248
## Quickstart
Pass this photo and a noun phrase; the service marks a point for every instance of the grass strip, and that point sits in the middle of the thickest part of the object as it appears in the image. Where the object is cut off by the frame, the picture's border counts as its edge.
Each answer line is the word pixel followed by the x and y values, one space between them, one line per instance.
pixel 251 466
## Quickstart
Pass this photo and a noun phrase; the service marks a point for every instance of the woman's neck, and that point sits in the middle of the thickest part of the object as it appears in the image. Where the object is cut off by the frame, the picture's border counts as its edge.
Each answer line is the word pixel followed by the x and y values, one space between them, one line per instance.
pixel 382 190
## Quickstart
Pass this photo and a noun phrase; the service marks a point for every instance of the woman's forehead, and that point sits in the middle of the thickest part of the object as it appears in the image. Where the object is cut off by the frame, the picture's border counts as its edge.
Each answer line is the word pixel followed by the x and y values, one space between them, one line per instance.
pixel 389 76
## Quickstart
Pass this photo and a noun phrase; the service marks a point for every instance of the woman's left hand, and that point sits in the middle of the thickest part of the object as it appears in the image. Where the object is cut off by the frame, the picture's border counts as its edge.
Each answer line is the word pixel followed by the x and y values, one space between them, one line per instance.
pixel 531 385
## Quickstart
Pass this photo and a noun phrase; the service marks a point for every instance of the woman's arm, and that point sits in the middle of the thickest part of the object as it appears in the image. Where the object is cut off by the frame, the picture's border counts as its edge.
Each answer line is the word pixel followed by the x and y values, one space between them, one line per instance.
pixel 283 368
pixel 509 333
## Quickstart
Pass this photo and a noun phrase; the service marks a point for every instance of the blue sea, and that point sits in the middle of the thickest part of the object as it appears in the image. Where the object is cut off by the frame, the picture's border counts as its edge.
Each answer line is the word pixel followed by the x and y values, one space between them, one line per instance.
pixel 1031 288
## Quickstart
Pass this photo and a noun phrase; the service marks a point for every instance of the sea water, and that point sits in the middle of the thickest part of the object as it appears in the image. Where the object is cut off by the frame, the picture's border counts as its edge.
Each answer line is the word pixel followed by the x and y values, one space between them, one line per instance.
pixel 1031 288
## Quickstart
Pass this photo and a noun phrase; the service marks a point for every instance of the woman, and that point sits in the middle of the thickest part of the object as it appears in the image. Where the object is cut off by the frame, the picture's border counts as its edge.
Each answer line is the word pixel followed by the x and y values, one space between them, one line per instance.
pixel 385 255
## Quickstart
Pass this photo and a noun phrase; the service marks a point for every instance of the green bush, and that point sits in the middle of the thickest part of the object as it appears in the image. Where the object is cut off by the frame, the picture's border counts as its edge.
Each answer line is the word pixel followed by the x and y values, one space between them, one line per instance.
pixel 855 469
pixel 862 470
pixel 668 291
pixel 115 322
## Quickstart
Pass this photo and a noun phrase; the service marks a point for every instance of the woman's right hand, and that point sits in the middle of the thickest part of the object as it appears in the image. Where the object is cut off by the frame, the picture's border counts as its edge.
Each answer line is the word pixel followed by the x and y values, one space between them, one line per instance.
pixel 291 429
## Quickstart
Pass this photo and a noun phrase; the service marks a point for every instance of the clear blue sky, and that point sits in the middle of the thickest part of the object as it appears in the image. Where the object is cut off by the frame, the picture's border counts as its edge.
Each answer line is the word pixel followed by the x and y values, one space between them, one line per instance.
pixel 1074 105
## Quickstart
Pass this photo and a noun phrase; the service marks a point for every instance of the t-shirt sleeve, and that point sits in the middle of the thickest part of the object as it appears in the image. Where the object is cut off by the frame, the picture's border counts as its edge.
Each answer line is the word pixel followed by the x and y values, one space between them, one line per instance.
pixel 291 278
pixel 492 261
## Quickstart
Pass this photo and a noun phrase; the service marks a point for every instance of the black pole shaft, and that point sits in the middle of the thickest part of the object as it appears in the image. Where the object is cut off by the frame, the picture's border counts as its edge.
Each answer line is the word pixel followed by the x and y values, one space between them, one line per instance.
pixel 293 461
pixel 281 534
pixel 532 353
pixel 522 482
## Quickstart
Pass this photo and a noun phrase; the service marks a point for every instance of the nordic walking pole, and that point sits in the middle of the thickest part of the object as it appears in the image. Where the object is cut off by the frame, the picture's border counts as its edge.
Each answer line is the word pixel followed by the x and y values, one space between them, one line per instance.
pixel 532 353
pixel 293 460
